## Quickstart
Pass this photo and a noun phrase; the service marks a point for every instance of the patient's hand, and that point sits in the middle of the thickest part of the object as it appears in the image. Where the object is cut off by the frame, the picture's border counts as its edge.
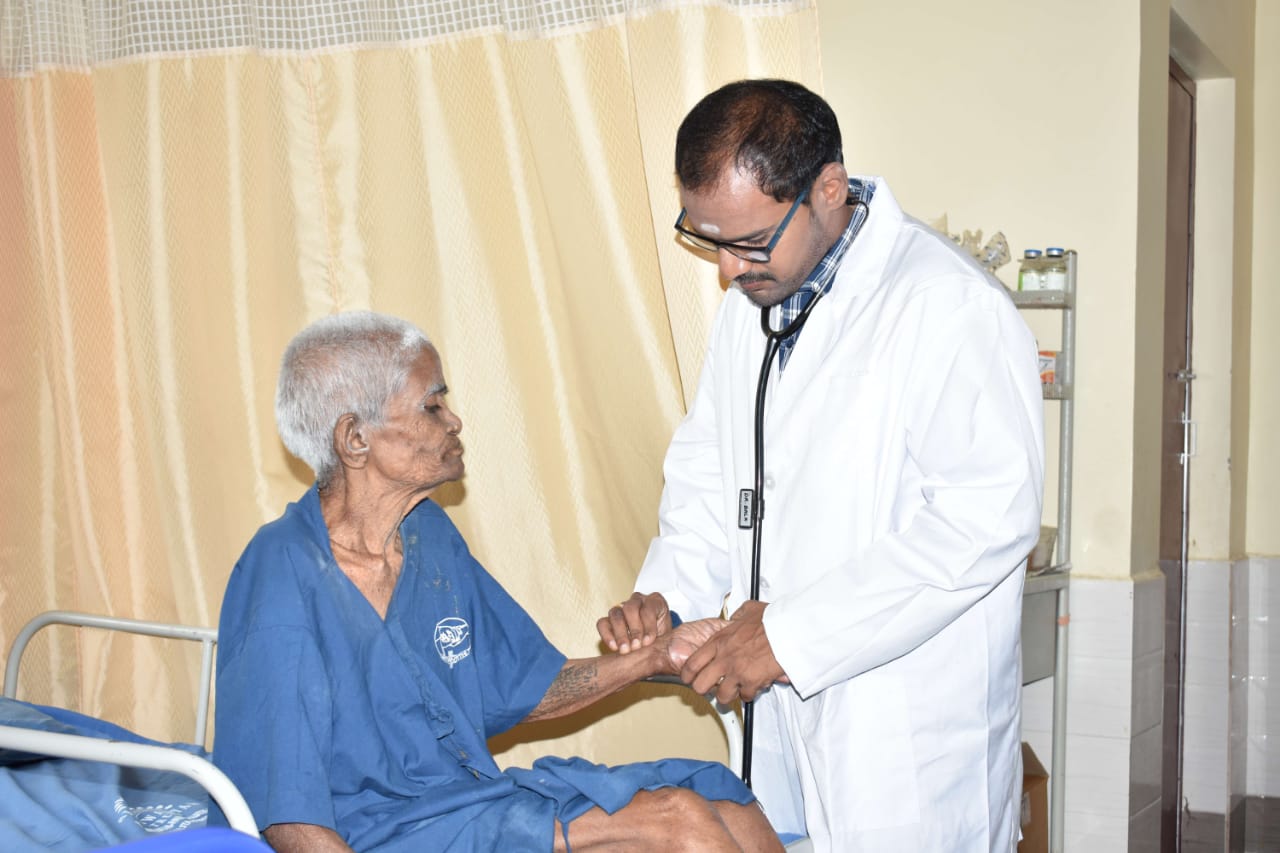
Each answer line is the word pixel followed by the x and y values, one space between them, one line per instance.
pixel 635 623
pixel 689 637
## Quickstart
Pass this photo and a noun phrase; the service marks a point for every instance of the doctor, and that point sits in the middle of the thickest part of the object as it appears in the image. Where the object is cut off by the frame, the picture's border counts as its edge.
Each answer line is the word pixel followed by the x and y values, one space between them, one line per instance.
pixel 901 490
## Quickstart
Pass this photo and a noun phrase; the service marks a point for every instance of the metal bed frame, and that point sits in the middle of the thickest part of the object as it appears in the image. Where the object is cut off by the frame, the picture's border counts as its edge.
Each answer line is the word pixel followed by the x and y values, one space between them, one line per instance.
pixel 60 745
pixel 202 771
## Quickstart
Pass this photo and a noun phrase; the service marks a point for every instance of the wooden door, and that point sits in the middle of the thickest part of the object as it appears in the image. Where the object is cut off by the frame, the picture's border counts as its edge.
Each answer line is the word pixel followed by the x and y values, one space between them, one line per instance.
pixel 1176 410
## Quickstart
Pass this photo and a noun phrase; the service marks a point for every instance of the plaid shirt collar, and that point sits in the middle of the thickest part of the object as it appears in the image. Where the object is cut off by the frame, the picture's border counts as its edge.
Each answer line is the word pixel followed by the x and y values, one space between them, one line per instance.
pixel 819 281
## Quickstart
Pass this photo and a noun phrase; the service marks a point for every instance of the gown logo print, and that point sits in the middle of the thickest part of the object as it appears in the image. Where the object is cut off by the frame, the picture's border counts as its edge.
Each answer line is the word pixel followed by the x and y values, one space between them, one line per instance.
pixel 453 639
pixel 162 817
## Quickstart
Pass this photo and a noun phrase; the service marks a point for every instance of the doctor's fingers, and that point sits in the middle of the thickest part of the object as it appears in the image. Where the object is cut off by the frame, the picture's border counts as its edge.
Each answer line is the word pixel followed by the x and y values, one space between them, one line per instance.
pixel 730 691
pixel 747 689
pixel 726 687
pixel 705 669
pixel 727 683
pixel 714 680
pixel 734 684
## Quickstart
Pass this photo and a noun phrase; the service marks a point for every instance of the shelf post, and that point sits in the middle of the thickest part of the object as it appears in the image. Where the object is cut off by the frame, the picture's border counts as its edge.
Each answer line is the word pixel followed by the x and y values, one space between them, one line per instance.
pixel 1066 440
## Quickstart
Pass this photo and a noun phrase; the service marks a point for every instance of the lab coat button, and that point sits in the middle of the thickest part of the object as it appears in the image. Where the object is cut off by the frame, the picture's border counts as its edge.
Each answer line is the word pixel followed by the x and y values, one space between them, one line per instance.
pixel 768 481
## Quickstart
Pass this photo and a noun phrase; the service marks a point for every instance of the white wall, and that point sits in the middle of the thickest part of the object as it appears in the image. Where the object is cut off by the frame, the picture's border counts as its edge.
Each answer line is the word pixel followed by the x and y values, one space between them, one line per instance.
pixel 1262 539
pixel 1020 117
pixel 1048 121
pixel 1029 118
pixel 1210 510
pixel 1263 535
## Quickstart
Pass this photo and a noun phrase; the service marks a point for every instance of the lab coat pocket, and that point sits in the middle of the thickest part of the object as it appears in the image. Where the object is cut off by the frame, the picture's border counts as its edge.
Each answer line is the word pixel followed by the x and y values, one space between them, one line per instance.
pixel 878 765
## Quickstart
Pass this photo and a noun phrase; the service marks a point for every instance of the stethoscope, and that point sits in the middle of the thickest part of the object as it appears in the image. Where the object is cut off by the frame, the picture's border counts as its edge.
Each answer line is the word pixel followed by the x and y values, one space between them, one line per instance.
pixel 751 501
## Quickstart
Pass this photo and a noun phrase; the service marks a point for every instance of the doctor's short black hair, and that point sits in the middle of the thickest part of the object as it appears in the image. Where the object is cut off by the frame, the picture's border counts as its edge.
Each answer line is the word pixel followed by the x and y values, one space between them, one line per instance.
pixel 777 131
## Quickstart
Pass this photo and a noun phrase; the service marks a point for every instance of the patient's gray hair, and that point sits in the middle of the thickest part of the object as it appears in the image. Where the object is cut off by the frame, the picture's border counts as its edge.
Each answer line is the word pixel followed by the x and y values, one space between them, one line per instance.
pixel 353 362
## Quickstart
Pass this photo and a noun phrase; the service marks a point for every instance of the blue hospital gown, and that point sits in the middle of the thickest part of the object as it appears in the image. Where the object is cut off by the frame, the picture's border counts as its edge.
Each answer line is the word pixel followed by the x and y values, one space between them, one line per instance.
pixel 329 715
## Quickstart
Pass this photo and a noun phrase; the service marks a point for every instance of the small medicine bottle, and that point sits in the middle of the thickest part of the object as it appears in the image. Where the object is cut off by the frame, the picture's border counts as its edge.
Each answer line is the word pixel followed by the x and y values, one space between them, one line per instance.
pixel 1030 270
pixel 1055 269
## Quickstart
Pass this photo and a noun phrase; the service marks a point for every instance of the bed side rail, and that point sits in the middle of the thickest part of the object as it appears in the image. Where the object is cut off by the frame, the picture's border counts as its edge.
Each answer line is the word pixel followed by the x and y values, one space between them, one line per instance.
pixel 209 777
pixel 207 637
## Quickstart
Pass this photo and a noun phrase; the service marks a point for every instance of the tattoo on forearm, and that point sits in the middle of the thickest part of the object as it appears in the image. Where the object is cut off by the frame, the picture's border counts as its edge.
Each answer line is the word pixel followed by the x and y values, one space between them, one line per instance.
pixel 582 682
pixel 574 682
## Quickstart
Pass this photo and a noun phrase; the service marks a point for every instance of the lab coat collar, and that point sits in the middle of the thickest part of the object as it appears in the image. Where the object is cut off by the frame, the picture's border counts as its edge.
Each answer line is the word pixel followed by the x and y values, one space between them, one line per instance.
pixel 860 274
pixel 865 261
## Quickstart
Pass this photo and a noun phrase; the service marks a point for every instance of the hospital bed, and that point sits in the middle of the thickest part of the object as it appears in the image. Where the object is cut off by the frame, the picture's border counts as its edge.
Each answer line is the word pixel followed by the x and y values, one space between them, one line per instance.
pixel 71 782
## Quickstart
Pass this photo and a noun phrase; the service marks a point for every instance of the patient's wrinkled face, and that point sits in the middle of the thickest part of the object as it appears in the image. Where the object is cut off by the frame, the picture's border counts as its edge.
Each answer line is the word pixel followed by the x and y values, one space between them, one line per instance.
pixel 418 445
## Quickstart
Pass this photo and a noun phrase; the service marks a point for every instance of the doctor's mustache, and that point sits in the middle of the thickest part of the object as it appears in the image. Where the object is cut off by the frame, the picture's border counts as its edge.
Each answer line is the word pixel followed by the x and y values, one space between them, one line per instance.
pixel 751 278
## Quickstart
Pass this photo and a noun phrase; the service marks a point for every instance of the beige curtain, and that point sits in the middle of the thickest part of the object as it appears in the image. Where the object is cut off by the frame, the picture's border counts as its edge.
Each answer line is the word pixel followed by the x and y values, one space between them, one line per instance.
pixel 183 185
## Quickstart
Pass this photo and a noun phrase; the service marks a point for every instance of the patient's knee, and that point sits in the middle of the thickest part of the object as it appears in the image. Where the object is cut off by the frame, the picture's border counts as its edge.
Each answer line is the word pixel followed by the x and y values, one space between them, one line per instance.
pixel 687 821
pixel 668 819
pixel 678 803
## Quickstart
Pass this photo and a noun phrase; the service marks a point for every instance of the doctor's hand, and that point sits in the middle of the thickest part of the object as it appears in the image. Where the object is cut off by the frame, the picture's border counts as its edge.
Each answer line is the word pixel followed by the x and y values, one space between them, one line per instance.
pixel 737 661
pixel 635 623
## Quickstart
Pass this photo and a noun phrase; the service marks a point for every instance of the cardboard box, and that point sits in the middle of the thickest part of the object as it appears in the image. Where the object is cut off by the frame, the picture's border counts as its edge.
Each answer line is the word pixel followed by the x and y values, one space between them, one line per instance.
pixel 1035 804
pixel 1041 556
pixel 1048 366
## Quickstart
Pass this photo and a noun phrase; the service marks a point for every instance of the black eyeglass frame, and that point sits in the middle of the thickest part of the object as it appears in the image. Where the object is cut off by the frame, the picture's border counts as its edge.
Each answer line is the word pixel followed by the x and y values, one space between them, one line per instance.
pixel 752 254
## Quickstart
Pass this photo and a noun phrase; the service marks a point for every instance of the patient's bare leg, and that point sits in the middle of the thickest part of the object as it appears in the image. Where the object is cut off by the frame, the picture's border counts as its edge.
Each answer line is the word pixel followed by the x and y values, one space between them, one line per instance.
pixel 672 819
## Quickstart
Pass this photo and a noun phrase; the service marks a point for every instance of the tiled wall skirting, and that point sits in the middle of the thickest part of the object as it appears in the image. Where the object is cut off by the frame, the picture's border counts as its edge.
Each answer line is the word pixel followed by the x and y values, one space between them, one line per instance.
pixel 1114 702
pixel 1263 682
pixel 1233 682
pixel 1208 683
pixel 1116 687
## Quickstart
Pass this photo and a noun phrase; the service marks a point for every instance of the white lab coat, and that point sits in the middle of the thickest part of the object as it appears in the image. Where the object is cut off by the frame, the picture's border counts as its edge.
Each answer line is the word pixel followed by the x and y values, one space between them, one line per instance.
pixel 904 468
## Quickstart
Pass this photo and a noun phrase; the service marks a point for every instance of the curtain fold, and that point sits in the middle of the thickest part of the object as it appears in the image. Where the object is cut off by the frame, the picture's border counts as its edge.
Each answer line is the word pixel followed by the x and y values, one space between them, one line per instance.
pixel 184 185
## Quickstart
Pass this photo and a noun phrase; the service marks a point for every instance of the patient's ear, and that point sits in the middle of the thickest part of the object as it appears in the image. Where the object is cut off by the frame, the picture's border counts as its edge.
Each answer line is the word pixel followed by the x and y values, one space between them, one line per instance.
pixel 350 442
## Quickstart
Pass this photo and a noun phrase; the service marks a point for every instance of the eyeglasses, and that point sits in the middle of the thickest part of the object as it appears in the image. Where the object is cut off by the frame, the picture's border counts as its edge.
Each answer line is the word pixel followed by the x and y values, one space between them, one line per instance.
pixel 754 254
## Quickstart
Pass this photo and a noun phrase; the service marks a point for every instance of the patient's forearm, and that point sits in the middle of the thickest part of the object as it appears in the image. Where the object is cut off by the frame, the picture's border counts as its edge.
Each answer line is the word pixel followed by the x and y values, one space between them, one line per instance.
pixel 304 838
pixel 584 681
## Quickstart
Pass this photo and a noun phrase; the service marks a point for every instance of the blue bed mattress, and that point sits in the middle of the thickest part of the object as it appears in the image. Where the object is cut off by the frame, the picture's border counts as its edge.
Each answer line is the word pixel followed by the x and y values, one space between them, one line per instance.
pixel 74 805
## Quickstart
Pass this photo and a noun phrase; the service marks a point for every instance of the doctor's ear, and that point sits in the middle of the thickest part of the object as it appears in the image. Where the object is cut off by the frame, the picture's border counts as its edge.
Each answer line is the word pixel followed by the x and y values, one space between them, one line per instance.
pixel 831 190
pixel 350 441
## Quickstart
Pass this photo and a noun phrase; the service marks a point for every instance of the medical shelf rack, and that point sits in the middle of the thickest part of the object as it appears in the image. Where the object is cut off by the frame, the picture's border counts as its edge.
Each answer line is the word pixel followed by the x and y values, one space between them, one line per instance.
pixel 1056 578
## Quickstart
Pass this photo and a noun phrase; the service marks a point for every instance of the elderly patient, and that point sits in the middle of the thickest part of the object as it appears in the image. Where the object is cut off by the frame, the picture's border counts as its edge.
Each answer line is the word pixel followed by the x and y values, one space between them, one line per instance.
pixel 365 656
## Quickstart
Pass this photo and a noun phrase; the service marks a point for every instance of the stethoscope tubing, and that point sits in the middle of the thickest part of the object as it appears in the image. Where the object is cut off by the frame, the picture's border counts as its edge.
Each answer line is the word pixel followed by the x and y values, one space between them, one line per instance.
pixel 773 341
